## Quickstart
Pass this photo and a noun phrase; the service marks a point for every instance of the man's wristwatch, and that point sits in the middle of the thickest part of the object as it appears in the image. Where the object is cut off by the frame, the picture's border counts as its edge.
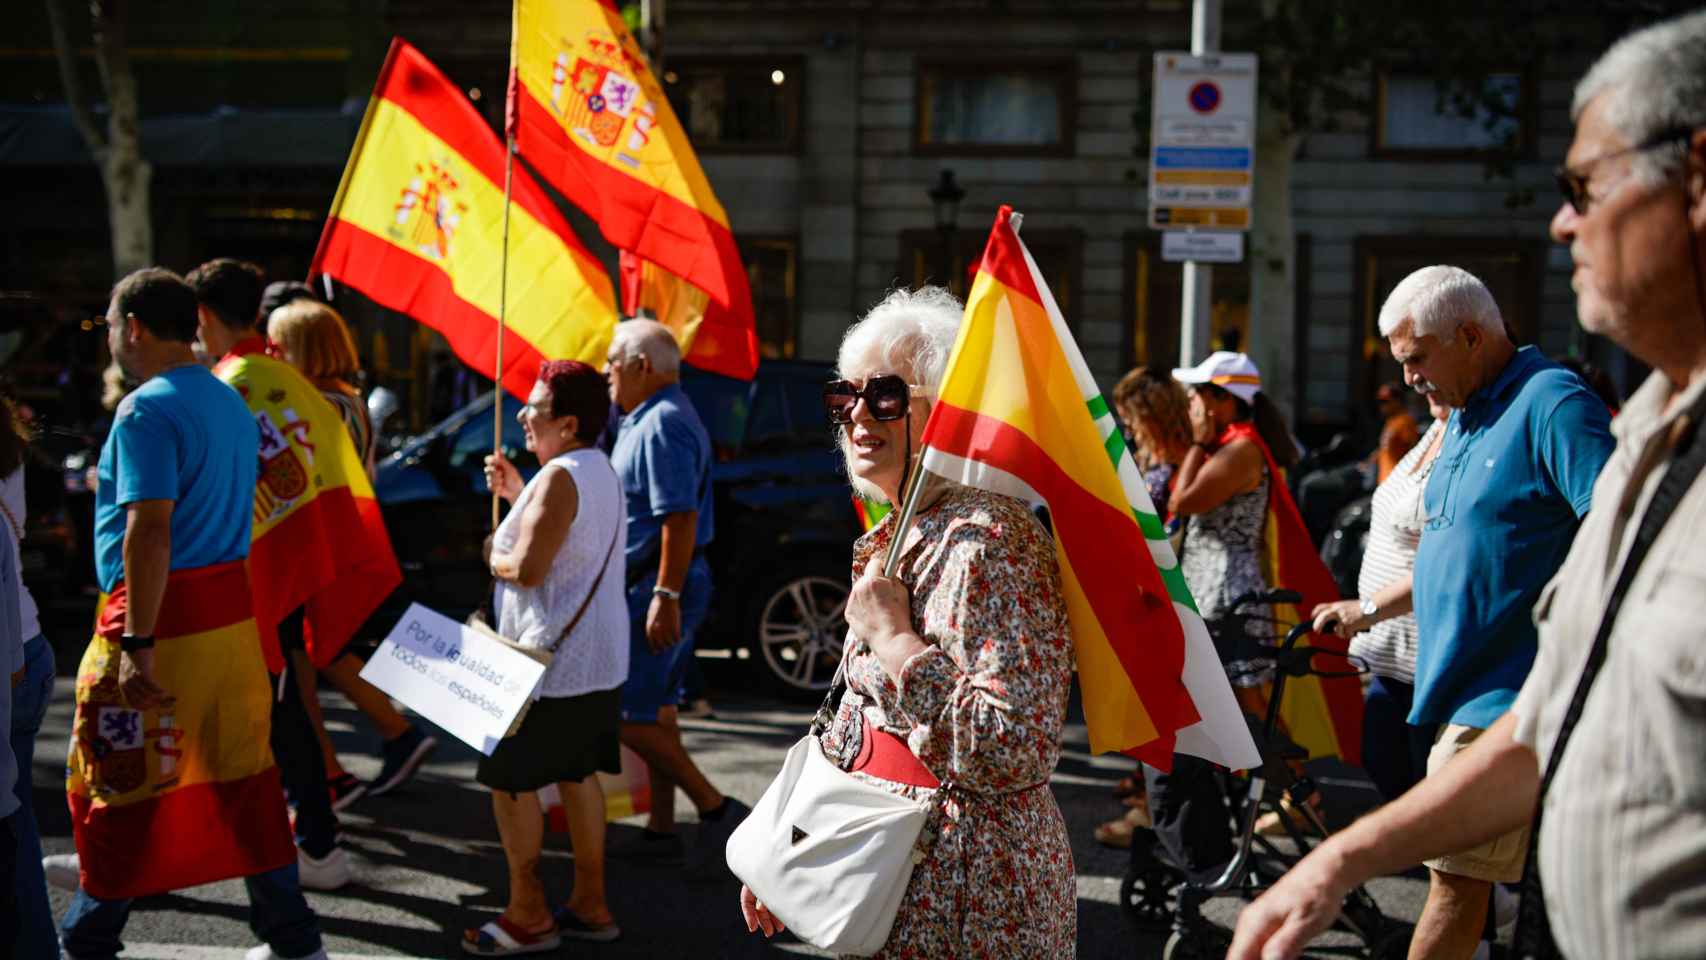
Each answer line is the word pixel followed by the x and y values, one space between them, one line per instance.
pixel 1368 607
pixel 130 643
pixel 666 593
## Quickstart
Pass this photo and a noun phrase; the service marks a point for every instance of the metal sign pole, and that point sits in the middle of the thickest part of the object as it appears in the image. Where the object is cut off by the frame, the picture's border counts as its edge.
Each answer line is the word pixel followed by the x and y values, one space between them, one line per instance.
pixel 1196 310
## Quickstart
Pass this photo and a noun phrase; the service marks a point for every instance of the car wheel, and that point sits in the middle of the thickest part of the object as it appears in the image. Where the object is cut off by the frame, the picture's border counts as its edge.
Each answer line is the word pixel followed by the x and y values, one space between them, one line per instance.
pixel 799 627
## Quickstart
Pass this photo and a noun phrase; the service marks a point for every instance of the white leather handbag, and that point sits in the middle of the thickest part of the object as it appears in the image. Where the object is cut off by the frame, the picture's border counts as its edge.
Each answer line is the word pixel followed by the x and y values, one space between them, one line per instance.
pixel 828 854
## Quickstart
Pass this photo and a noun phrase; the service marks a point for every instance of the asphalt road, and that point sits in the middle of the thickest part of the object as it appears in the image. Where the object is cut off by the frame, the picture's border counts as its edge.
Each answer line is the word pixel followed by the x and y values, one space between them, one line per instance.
pixel 429 863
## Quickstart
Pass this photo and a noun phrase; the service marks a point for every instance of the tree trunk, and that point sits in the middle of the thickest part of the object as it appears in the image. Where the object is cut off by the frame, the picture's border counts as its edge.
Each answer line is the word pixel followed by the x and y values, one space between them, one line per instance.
pixel 126 174
pixel 1273 256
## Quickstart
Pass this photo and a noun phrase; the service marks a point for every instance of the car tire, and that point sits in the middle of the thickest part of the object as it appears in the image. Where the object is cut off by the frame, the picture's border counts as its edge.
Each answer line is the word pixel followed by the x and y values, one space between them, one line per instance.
pixel 797 625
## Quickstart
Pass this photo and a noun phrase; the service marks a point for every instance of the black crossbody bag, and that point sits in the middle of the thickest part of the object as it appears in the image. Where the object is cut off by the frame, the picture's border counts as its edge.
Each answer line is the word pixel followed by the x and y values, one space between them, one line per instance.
pixel 1534 931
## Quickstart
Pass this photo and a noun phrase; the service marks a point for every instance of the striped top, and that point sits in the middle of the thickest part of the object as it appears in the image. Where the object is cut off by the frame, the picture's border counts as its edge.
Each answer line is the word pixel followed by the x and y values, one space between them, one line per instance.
pixel 1394 530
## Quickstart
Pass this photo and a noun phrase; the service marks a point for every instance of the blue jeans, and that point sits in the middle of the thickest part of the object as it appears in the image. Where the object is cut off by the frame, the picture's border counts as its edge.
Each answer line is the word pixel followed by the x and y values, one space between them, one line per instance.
pixel 278 915
pixel 29 888
pixel 655 679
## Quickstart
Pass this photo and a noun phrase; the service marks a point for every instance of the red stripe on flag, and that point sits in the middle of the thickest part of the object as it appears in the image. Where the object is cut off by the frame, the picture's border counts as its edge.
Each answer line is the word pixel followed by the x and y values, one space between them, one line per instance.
pixel 634 215
pixel 196 601
pixel 334 616
pixel 164 843
pixel 1003 260
pixel 401 281
pixel 1124 608
pixel 412 82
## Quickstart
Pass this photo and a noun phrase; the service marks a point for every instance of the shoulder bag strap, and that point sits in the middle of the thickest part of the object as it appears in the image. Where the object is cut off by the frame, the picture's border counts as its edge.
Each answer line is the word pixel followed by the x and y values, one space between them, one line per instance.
pixel 597 581
pixel 1533 931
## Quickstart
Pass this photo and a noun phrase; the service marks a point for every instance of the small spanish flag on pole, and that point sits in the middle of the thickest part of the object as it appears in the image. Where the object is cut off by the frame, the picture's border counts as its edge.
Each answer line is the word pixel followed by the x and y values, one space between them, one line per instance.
pixel 1019 414
pixel 418 226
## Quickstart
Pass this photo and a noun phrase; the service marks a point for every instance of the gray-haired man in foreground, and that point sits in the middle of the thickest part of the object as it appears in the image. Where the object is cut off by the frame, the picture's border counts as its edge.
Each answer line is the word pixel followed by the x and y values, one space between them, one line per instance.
pixel 1622 843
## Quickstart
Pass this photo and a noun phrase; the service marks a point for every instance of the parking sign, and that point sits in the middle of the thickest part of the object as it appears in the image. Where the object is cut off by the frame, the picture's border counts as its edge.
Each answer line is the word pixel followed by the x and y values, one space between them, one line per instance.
pixel 1202 141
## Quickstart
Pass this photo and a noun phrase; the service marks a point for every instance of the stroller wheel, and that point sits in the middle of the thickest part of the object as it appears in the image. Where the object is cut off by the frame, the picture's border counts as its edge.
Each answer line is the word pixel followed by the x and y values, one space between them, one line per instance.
pixel 1200 946
pixel 1146 895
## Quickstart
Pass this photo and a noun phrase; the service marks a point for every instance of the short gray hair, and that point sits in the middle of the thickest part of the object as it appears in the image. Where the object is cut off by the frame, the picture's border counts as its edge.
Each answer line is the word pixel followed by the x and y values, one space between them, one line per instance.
pixel 910 332
pixel 650 339
pixel 1436 300
pixel 1655 79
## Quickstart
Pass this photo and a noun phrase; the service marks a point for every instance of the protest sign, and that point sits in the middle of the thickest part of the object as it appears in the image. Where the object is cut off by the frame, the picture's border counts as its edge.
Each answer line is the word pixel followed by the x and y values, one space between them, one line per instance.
pixel 466 682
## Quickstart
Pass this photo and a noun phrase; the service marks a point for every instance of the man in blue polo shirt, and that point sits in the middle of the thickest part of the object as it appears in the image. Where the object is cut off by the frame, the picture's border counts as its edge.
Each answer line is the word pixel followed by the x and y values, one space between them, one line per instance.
pixel 663 458
pixel 1516 470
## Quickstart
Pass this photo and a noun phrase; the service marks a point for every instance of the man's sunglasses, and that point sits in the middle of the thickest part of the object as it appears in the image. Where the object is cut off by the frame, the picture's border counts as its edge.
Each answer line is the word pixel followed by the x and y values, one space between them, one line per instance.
pixel 1573 183
pixel 886 397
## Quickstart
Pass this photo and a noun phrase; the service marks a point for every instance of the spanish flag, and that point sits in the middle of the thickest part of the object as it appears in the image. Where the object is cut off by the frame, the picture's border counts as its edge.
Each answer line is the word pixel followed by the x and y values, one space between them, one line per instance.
pixel 186 794
pixel 417 226
pixel 1322 714
pixel 711 338
pixel 587 113
pixel 1019 414
pixel 318 539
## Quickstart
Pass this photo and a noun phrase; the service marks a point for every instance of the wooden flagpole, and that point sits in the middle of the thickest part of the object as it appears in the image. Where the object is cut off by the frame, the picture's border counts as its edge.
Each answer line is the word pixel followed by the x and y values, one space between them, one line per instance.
pixel 503 298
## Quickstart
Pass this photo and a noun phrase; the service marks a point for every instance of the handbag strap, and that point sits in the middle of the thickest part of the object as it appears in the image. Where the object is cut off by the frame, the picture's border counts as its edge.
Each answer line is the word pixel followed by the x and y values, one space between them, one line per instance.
pixel 608 554
pixel 1534 932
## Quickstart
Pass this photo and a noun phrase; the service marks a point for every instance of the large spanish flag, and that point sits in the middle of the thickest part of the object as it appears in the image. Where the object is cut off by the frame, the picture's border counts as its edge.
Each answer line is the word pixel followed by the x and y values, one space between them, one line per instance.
pixel 711 336
pixel 417 227
pixel 1322 714
pixel 587 113
pixel 188 794
pixel 318 539
pixel 1019 414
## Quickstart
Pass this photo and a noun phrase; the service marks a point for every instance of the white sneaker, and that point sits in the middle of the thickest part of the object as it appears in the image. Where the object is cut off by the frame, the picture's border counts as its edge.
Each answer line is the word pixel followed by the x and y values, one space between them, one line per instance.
pixel 62 871
pixel 264 952
pixel 327 873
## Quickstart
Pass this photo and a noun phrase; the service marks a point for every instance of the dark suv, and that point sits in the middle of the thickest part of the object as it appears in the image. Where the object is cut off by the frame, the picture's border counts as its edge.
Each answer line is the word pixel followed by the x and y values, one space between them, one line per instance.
pixel 784 514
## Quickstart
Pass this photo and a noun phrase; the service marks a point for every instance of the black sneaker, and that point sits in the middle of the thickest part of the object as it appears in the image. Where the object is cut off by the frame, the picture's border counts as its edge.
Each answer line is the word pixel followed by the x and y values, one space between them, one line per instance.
pixel 710 848
pixel 345 790
pixel 651 849
pixel 403 756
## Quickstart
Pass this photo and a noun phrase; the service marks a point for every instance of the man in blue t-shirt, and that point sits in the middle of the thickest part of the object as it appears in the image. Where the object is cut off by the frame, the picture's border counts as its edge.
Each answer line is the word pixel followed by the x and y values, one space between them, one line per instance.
pixel 177 480
pixel 663 458
pixel 1515 472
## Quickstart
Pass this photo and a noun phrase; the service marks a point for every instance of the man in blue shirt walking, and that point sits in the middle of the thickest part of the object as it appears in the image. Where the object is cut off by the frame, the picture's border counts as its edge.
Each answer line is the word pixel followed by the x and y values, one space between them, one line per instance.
pixel 663 458
pixel 1515 474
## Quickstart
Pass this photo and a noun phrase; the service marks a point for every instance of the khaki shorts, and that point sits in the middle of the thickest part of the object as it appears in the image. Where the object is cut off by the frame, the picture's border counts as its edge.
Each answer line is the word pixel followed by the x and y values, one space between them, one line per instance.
pixel 1499 861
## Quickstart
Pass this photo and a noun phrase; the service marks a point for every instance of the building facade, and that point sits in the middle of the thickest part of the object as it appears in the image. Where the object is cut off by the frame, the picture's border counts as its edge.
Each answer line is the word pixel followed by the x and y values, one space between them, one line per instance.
pixel 825 127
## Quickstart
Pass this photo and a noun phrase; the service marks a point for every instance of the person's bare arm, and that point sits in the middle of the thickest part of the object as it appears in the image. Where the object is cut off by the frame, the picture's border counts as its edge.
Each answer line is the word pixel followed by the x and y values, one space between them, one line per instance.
pixel 545 525
pixel 147 562
pixel 663 619
pixel 1209 482
pixel 1485 792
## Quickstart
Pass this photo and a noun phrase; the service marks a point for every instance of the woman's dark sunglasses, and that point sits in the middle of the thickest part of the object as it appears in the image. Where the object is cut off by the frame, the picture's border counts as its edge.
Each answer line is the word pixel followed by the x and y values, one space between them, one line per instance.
pixel 885 396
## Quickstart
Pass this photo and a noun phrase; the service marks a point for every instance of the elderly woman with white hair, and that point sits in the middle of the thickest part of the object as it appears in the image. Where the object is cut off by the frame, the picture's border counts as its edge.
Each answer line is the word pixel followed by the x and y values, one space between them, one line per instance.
pixel 957 669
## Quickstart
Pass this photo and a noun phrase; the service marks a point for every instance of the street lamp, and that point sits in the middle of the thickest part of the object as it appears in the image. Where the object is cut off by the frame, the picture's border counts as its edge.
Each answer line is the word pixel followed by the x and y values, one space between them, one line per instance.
pixel 945 196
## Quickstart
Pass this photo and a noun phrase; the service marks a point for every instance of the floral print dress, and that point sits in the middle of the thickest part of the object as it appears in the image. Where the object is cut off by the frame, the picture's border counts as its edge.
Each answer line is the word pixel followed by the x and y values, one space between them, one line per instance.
pixel 982 709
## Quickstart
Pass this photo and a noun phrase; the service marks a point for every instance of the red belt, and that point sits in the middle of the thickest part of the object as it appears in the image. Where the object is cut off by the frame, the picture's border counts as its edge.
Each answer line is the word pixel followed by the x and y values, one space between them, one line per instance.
pixel 884 755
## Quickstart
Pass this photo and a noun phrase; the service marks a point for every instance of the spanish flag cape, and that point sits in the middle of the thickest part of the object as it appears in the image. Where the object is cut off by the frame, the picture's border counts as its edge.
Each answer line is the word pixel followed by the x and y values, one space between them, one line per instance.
pixel 319 540
pixel 1322 714
pixel 1018 413
pixel 187 794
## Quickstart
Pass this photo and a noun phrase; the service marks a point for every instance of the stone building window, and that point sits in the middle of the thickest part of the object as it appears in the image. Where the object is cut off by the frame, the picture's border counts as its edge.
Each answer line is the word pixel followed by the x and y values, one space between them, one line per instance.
pixel 748 105
pixel 772 270
pixel 996 108
pixel 1417 118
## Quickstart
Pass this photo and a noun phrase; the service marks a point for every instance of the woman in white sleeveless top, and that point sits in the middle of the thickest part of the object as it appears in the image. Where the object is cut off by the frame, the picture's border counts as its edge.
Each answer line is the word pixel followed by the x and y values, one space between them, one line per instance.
pixel 1379 622
pixel 553 556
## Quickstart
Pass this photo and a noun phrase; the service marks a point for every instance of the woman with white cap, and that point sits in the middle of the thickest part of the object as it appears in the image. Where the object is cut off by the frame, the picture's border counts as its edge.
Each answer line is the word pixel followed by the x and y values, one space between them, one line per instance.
pixel 1231 490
